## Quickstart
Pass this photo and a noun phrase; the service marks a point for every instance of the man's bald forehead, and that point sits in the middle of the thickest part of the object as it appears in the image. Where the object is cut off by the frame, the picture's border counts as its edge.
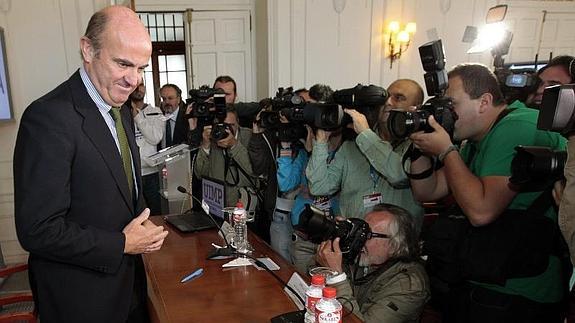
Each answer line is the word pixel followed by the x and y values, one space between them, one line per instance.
pixel 409 88
pixel 120 18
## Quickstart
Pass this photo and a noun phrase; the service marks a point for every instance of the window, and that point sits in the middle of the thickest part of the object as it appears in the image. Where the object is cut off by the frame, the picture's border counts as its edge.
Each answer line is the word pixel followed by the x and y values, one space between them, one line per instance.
pixel 168 61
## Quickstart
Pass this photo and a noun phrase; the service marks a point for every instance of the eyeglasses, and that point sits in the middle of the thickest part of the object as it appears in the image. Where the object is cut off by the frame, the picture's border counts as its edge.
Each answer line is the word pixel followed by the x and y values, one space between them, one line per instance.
pixel 371 235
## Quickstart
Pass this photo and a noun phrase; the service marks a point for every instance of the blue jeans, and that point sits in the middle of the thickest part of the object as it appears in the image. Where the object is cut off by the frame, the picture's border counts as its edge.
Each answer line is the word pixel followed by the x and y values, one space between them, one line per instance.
pixel 280 233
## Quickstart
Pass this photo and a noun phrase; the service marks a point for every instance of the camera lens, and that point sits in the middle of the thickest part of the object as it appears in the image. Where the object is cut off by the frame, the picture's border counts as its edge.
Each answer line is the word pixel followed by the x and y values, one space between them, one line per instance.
pixel 219 132
pixel 536 168
pixel 401 124
pixel 201 109
pixel 269 119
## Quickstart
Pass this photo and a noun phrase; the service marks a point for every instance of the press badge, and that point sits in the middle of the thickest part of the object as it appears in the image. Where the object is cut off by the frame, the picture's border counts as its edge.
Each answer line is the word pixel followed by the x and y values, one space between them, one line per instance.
pixel 322 202
pixel 371 200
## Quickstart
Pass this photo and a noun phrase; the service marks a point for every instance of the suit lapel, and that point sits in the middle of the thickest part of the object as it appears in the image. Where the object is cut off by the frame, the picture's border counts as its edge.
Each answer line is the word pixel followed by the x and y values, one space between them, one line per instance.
pixel 97 130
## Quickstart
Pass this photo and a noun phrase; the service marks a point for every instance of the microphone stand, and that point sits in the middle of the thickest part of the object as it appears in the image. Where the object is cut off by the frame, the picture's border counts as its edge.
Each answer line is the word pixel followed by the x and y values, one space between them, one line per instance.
pixel 217 253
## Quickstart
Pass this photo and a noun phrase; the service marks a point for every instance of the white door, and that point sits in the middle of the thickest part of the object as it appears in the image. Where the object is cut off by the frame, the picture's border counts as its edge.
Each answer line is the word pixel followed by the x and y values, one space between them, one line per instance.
pixel 541 28
pixel 220 44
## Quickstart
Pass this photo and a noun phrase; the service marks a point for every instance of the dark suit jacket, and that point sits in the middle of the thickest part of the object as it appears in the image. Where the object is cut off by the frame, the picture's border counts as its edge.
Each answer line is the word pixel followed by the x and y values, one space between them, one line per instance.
pixel 182 127
pixel 71 203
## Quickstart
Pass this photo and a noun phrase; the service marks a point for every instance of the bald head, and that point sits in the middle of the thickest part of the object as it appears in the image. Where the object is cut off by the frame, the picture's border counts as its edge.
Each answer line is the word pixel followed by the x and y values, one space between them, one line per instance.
pixel 404 93
pixel 113 19
pixel 115 51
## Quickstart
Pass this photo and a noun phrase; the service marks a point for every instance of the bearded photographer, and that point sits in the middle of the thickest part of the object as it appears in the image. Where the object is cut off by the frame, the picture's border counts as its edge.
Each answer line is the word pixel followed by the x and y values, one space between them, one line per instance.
pixel 390 283
pixel 369 170
pixel 496 285
pixel 223 154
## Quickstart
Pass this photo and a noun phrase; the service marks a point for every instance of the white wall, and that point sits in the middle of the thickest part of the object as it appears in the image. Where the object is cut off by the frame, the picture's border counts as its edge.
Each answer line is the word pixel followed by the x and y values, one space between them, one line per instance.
pixel 310 43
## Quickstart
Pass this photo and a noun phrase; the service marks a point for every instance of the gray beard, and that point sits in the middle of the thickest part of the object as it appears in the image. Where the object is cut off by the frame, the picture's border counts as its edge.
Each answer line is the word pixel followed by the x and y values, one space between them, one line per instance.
pixel 364 260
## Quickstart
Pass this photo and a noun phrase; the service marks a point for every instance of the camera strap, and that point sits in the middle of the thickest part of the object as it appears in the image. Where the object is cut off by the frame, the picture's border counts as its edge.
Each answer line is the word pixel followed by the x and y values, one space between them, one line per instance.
pixel 413 154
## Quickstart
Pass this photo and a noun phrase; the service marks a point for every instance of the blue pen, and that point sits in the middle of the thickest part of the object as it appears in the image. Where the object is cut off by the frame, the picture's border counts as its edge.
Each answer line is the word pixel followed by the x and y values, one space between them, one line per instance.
pixel 197 273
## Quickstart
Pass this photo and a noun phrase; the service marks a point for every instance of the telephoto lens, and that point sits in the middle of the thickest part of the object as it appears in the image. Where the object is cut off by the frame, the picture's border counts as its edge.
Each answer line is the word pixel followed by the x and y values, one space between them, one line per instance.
pixel 534 168
pixel 352 232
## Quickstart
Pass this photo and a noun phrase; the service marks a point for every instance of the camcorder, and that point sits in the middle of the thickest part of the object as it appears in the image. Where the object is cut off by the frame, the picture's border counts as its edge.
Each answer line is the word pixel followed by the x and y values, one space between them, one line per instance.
pixel 537 168
pixel 208 104
pixel 298 112
pixel 352 232
pixel 517 84
pixel 365 99
pixel 209 107
pixel 402 123
pixel 323 115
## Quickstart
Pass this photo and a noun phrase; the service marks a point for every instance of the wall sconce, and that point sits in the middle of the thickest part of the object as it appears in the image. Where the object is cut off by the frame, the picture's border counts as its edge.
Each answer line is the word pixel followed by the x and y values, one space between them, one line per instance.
pixel 399 39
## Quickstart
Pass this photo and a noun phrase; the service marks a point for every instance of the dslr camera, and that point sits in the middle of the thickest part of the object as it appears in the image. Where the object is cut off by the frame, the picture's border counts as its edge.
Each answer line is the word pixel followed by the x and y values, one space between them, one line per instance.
pixel 219 131
pixel 537 168
pixel 208 103
pixel 352 232
pixel 534 169
pixel 401 123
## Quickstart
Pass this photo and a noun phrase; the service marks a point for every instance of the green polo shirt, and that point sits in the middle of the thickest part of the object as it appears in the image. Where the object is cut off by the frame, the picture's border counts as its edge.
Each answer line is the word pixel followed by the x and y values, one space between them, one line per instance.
pixel 492 157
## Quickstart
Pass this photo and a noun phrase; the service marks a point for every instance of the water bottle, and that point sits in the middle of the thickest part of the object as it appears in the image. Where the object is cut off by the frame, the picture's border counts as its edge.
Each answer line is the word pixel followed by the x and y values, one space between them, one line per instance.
pixel 312 295
pixel 240 229
pixel 328 309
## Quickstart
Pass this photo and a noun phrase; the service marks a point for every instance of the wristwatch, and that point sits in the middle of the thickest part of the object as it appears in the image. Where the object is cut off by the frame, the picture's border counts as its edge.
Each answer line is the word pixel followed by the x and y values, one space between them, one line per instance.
pixel 449 149
pixel 334 279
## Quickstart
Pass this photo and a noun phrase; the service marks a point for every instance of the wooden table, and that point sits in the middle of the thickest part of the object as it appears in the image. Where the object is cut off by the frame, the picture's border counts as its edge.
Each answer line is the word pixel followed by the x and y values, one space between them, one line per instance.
pixel 240 294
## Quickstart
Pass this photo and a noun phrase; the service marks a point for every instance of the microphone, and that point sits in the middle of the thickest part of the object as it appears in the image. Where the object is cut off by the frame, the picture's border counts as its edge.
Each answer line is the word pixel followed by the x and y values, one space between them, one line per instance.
pixel 218 253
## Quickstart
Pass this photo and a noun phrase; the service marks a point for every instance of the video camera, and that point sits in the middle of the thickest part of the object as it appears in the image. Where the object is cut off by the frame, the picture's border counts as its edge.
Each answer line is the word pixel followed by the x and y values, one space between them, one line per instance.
pixel 516 84
pixel 208 104
pixel 402 123
pixel 298 112
pixel 323 115
pixel 352 232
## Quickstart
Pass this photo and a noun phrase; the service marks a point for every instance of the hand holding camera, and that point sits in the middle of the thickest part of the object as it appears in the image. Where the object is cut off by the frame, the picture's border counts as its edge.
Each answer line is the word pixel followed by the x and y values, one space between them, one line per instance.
pixel 360 123
pixel 432 143
pixel 322 135
pixel 206 142
pixel 193 122
pixel 223 135
pixel 329 254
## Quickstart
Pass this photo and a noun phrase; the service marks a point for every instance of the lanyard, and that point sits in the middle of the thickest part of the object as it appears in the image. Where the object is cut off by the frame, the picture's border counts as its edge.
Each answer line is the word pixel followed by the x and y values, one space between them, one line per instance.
pixel 374 176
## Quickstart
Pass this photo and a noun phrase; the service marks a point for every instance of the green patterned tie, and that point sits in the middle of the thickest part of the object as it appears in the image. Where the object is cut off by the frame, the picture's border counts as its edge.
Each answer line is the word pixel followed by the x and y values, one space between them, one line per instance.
pixel 124 148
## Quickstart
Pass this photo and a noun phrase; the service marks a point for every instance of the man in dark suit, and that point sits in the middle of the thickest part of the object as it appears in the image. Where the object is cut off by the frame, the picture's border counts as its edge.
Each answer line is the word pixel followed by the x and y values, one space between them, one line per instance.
pixel 77 184
pixel 176 121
